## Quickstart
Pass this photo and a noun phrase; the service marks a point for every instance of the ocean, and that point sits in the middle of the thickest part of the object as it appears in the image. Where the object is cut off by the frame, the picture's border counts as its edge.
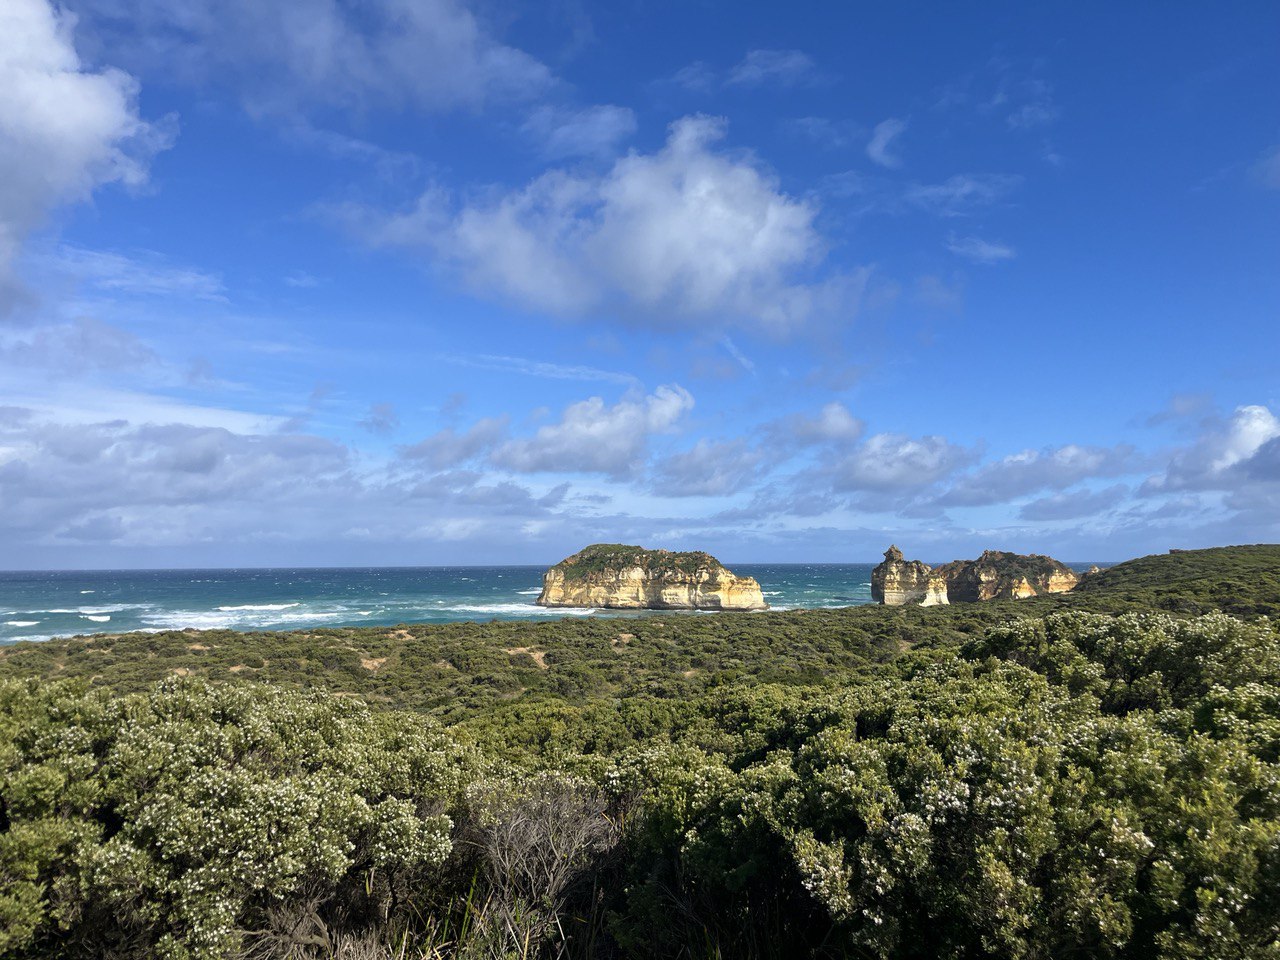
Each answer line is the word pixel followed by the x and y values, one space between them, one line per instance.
pixel 40 605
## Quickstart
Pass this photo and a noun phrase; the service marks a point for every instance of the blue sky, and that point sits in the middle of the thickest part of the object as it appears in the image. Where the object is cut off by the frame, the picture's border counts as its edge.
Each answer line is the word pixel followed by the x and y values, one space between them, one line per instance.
pixel 421 282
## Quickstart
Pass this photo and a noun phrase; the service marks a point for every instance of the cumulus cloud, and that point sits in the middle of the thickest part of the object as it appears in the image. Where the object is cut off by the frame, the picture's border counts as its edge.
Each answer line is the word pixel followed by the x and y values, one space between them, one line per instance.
pixel 1228 454
pixel 593 437
pixel 834 423
pixel 434 54
pixel 979 250
pixel 1028 472
pixel 710 469
pixel 67 130
pixel 589 131
pixel 449 448
pixel 214 492
pixel 75 346
pixel 1073 505
pixel 890 462
pixel 880 147
pixel 686 232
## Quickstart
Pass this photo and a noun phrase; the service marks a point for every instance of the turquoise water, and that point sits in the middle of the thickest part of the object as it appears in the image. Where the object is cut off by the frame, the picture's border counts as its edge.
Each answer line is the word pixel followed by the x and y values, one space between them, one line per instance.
pixel 40 605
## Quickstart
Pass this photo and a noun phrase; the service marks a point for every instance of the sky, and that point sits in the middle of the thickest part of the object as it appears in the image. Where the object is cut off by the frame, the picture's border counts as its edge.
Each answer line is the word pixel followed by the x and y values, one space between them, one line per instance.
pixel 417 282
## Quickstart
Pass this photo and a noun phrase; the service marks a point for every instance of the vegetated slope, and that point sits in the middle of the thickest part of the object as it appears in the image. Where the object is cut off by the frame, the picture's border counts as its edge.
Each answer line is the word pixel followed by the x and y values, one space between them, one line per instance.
pixel 461 669
pixel 1074 785
pixel 1243 580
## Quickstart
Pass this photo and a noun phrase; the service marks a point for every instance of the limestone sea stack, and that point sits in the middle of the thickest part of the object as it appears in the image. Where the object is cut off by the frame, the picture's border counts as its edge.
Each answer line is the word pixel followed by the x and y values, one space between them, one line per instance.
pixel 996 575
pixel 617 576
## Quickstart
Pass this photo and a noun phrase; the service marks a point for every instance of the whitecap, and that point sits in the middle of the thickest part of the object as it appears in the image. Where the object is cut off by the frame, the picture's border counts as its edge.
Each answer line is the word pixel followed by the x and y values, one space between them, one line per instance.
pixel 21 623
pixel 528 593
pixel 88 591
pixel 520 609
pixel 260 606
pixel 102 619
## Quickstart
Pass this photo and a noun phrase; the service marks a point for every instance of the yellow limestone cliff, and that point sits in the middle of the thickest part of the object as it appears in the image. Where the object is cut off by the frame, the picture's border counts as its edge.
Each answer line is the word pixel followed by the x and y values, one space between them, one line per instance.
pixel 616 576
pixel 996 575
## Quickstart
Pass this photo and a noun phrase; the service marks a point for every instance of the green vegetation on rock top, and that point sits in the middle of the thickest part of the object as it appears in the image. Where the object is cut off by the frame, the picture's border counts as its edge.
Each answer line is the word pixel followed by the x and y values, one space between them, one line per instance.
pixel 602 557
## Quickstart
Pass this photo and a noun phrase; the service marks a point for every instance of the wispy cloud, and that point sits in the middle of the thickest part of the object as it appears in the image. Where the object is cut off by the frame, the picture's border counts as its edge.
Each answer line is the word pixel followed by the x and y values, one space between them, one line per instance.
pixel 784 68
pixel 959 195
pixel 144 273
pixel 880 148
pixel 540 368
pixel 759 68
pixel 588 131
pixel 979 250
pixel 743 360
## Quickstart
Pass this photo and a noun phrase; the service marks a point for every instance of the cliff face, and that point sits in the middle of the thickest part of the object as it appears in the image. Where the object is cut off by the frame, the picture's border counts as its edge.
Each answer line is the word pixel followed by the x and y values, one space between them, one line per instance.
pixel 632 578
pixel 898 581
pixel 996 575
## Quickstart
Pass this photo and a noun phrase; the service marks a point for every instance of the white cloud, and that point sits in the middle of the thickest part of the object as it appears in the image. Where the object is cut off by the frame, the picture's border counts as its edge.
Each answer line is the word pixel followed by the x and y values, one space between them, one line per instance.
pixel 683 233
pixel 889 463
pixel 879 149
pixel 1249 428
pixel 434 54
pixel 710 469
pixel 539 368
pixel 144 273
pixel 76 347
pixel 592 437
pixel 66 130
pixel 780 67
pixel 979 250
pixel 448 448
pixel 962 193
pixel 1030 471
pixel 1073 505
pixel 590 131
pixel 832 424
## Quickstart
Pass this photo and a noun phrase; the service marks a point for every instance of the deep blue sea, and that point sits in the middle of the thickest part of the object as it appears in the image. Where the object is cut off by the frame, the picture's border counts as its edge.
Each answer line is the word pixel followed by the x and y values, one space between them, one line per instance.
pixel 40 605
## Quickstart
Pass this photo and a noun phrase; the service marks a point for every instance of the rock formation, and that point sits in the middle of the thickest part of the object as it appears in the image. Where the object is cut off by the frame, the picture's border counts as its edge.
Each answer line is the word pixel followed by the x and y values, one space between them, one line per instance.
pixel 996 575
pixel 611 575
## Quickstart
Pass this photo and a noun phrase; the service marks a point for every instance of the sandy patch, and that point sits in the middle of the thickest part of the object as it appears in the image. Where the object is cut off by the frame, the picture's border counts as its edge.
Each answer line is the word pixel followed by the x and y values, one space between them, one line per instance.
pixel 198 646
pixel 372 663
pixel 538 656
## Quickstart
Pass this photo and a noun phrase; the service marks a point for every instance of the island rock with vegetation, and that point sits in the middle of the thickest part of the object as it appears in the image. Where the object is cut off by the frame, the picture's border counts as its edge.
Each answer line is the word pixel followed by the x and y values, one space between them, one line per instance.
pixel 996 575
pixel 613 575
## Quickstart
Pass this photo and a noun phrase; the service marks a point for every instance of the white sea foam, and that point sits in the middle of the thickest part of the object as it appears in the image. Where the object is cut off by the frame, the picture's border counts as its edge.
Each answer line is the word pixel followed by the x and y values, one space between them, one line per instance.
pixel 88 591
pixel 21 623
pixel 522 609
pixel 111 608
pixel 528 593
pixel 260 606
pixel 102 619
